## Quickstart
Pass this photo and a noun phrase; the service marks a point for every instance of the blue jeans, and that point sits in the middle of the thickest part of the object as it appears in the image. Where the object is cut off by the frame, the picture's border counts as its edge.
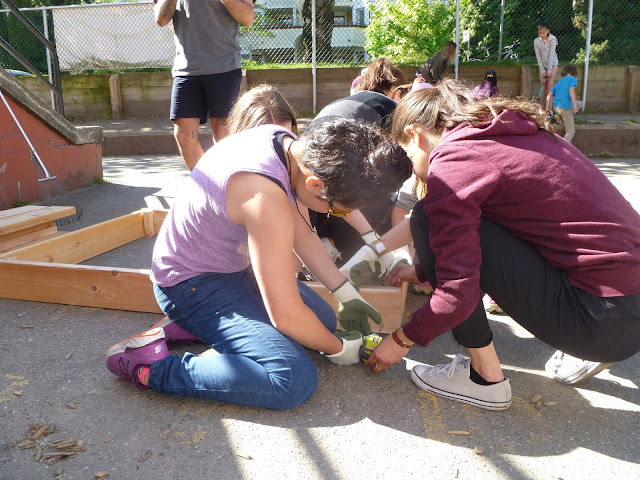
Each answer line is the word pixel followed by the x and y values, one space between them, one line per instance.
pixel 256 365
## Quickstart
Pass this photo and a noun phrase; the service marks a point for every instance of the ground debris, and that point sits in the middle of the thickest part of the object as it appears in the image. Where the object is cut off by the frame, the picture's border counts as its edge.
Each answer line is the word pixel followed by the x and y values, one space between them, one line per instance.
pixel 52 452
pixel 146 456
pixel 100 475
pixel 458 432
pixel 535 399
pixel 27 326
pixel 17 393
pixel 68 356
pixel 72 406
pixel 550 404
pixel 478 450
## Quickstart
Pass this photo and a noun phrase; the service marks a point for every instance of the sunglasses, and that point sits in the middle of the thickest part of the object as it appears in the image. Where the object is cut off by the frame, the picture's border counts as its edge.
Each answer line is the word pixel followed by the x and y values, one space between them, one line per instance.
pixel 335 212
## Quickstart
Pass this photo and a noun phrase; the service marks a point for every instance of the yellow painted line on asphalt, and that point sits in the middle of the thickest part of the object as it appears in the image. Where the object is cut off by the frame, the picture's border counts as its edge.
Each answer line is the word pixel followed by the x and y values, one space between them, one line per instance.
pixel 17 383
pixel 184 438
pixel 432 417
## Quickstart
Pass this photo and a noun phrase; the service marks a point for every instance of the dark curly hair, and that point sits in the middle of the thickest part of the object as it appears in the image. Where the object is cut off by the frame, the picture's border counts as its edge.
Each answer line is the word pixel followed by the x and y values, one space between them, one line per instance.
pixel 357 162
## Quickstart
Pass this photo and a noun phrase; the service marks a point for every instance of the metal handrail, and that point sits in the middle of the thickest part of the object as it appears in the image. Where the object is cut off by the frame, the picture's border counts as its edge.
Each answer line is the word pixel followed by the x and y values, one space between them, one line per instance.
pixel 57 88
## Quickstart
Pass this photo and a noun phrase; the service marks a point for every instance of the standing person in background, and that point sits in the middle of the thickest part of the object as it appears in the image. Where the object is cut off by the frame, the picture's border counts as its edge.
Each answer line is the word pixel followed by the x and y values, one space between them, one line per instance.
pixel 206 70
pixel 563 100
pixel 545 46
pixel 433 69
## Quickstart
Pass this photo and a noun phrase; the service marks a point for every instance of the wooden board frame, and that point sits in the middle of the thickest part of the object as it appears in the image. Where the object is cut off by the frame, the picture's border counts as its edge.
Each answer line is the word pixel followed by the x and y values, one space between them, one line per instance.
pixel 47 271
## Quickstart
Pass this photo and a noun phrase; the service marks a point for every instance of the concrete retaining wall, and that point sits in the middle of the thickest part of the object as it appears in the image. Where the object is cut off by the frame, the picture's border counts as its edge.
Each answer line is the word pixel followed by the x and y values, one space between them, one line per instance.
pixel 611 88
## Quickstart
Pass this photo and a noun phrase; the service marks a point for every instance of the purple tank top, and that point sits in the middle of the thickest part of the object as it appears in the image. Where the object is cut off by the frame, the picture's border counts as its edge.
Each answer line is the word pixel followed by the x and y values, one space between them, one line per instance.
pixel 197 236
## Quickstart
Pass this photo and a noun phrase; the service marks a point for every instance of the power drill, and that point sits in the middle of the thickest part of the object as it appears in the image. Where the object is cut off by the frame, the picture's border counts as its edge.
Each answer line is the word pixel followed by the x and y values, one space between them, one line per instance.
pixel 368 344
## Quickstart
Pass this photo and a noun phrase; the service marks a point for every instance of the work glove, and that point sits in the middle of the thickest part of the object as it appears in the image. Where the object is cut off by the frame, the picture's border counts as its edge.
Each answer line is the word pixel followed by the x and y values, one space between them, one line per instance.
pixel 353 310
pixel 372 263
pixel 350 353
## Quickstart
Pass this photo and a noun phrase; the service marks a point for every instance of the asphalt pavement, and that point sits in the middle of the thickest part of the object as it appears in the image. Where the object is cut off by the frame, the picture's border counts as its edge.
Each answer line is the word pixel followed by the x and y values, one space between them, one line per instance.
pixel 357 425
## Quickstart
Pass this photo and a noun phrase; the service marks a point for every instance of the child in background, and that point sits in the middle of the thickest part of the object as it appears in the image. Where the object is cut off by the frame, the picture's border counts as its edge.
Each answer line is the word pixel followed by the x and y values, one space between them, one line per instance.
pixel 545 47
pixel 488 88
pixel 433 69
pixel 563 97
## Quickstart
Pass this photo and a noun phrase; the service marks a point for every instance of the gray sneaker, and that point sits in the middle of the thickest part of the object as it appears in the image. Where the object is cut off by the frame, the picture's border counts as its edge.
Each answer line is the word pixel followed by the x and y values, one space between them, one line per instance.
pixel 564 368
pixel 452 381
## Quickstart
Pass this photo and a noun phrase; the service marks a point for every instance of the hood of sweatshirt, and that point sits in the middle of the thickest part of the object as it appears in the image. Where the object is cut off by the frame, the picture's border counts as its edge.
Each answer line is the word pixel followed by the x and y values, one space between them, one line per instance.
pixel 507 123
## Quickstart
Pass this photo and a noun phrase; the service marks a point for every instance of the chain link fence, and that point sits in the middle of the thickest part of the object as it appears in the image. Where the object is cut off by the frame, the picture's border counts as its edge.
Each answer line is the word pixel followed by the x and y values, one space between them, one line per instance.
pixel 124 36
pixel 501 23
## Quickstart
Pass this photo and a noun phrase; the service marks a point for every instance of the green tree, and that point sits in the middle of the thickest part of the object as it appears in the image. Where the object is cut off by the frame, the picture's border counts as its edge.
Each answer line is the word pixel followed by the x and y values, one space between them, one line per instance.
pixel 409 31
pixel 324 30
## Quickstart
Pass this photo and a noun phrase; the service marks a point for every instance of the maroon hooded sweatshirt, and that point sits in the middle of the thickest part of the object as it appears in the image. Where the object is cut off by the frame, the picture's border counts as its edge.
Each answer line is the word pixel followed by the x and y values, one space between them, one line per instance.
pixel 539 187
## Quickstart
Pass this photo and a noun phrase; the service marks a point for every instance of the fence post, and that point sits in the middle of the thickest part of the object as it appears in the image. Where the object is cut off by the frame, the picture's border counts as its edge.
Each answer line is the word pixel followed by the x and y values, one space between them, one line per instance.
pixel 116 96
pixel 525 82
pixel 46 35
pixel 585 79
pixel 633 91
pixel 313 56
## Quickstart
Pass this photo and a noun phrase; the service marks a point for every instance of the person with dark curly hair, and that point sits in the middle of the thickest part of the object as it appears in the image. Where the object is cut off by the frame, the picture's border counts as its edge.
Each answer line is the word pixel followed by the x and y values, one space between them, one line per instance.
pixel 223 271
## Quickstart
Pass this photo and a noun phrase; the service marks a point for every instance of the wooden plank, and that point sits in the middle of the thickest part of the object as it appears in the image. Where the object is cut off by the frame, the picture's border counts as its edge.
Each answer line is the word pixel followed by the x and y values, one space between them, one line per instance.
pixel 158 219
pixel 147 222
pixel 28 218
pixel 26 231
pixel 130 289
pixel 78 246
pixel 19 241
pixel 389 301
pixel 103 287
pixel 19 210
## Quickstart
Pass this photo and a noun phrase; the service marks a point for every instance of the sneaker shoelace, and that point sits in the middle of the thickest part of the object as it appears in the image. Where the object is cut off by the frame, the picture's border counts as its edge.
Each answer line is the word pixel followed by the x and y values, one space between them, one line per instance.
pixel 447 369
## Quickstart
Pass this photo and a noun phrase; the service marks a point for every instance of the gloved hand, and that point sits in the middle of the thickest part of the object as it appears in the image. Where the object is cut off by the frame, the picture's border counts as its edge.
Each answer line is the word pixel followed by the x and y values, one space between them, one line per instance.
pixel 369 264
pixel 354 310
pixel 350 353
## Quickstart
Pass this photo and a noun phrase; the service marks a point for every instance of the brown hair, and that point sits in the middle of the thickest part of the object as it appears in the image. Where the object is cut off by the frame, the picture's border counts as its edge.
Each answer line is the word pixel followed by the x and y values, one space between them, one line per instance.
pixel 381 76
pixel 570 70
pixel 450 50
pixel 260 105
pixel 451 104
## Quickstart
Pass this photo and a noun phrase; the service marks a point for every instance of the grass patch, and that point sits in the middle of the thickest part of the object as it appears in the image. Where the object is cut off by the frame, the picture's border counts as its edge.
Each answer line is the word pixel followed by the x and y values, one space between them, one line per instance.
pixel 98 181
pixel 632 122
pixel 17 203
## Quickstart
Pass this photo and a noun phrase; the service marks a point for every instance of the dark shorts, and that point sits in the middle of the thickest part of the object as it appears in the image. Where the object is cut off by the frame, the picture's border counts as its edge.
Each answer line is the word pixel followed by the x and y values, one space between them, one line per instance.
pixel 195 96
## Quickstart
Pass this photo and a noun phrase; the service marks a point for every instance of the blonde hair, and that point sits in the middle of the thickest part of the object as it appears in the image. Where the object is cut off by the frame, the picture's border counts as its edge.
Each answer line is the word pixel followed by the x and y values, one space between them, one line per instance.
pixel 451 104
pixel 381 76
pixel 260 105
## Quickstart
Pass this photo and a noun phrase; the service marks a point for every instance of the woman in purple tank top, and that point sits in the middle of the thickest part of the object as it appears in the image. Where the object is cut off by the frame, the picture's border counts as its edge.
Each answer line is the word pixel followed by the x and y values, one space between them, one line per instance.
pixel 224 275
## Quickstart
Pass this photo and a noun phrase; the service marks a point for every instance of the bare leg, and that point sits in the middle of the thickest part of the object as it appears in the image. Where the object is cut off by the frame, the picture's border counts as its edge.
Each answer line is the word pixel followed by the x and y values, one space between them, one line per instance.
pixel 186 132
pixel 485 361
pixel 219 129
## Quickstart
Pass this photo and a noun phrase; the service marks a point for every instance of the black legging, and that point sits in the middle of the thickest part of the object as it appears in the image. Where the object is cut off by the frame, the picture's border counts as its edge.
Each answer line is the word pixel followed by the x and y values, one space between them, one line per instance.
pixel 538 297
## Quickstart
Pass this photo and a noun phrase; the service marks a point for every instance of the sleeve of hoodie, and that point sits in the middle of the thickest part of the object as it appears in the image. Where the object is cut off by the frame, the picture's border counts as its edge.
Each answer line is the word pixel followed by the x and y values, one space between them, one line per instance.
pixel 536 47
pixel 458 183
pixel 553 43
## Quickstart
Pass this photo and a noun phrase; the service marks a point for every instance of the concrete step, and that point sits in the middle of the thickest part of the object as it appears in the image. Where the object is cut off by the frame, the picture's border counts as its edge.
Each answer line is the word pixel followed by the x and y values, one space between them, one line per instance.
pixel 596 135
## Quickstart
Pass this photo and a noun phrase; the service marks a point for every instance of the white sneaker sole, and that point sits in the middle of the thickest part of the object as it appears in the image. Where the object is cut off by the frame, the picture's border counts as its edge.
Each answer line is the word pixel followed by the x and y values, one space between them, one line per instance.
pixel 590 369
pixel 135 341
pixel 461 398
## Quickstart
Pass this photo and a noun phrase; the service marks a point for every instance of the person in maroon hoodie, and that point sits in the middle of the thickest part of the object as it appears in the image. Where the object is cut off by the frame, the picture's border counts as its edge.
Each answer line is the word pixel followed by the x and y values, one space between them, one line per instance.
pixel 517 212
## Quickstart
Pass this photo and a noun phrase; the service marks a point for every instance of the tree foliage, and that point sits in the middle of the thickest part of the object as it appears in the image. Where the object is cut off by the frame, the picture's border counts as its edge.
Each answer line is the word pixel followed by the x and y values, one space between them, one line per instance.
pixel 409 31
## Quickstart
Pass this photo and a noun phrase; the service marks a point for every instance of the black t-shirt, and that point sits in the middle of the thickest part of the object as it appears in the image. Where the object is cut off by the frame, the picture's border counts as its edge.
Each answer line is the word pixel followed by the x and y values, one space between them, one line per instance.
pixel 370 107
